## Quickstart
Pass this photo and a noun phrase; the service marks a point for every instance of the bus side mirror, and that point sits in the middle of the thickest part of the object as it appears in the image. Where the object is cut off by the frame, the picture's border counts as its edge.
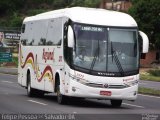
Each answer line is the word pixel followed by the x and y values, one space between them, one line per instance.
pixel 70 37
pixel 145 42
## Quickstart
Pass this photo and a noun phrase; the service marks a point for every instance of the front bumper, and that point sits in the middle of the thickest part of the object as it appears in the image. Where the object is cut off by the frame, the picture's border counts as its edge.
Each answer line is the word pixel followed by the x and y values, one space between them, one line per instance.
pixel 77 89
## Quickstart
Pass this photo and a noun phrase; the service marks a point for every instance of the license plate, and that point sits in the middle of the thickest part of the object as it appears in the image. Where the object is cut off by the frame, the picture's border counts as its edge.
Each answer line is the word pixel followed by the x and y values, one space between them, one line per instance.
pixel 106 93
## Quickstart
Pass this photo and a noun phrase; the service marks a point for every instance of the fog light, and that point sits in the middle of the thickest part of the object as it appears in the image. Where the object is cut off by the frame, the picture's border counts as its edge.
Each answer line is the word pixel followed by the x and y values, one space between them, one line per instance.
pixel 135 93
pixel 73 89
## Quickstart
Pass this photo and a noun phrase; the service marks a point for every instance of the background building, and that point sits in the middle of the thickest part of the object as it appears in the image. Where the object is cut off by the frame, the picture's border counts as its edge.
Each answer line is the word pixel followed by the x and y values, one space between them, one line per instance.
pixel 118 5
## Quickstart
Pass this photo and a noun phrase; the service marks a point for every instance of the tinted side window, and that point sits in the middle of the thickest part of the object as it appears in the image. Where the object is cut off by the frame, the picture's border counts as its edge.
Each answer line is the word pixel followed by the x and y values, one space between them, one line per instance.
pixel 23 28
pixel 54 34
pixel 27 32
pixel 40 32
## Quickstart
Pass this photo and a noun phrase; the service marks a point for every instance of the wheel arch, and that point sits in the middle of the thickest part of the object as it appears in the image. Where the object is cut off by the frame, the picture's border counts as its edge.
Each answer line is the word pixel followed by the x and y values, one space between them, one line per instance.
pixel 58 81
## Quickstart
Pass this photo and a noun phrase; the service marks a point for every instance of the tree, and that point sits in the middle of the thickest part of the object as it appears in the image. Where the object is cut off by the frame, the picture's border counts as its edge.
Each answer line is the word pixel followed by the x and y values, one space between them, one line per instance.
pixel 147 15
pixel 12 12
pixel 86 3
pixel 9 6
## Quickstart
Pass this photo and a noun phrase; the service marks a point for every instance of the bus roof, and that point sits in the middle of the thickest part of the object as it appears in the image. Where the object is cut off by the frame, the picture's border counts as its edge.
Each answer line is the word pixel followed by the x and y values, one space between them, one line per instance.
pixel 89 16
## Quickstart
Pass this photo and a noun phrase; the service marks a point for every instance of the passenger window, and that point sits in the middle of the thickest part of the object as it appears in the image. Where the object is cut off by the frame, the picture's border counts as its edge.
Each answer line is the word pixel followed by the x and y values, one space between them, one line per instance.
pixel 23 28
pixel 54 34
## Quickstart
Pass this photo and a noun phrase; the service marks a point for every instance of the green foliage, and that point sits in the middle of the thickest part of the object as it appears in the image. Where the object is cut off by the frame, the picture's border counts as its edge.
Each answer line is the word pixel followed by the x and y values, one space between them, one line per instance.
pixel 151 75
pixel 35 11
pixel 86 3
pixel 12 12
pixel 57 4
pixel 12 21
pixel 148 91
pixel 15 20
pixel 3 23
pixel 147 15
pixel 9 6
pixel 92 3
pixel 149 78
pixel 15 60
pixel 154 72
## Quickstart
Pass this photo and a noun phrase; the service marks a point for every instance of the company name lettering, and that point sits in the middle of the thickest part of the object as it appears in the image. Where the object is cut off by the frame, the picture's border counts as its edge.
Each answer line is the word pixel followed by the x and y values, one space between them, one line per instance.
pixel 47 55
pixel 128 79
pixel 107 74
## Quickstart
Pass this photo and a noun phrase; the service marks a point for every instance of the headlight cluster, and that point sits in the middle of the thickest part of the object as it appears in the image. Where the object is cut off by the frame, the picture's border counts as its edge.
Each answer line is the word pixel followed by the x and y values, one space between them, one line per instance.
pixel 131 83
pixel 77 79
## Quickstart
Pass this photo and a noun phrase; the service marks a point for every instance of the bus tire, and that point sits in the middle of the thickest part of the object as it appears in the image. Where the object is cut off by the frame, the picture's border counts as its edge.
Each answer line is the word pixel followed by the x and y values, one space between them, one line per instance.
pixel 30 90
pixel 61 99
pixel 116 103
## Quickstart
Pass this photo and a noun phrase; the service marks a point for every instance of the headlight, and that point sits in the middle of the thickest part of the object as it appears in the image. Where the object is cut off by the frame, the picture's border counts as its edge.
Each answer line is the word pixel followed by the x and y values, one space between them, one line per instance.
pixel 131 83
pixel 77 79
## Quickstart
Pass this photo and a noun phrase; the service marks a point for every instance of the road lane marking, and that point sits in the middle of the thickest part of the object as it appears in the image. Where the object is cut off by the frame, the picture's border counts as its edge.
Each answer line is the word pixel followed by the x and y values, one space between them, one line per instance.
pixel 133 105
pixel 37 102
pixel 149 96
pixel 7 81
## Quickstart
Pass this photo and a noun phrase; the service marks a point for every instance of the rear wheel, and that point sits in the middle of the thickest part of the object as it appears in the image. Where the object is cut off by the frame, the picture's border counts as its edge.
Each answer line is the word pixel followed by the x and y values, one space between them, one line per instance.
pixel 116 103
pixel 30 90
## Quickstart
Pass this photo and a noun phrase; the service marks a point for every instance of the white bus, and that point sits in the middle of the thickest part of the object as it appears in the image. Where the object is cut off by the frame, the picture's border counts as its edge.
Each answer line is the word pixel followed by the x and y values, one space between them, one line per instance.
pixel 81 52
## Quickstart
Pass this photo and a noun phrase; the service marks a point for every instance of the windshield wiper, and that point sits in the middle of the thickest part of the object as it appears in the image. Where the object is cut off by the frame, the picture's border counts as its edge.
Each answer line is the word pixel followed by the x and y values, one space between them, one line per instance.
pixel 95 57
pixel 114 55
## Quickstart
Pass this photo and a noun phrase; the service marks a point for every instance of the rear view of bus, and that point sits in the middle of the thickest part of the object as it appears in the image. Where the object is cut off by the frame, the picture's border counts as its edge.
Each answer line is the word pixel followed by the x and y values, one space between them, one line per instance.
pixel 101 55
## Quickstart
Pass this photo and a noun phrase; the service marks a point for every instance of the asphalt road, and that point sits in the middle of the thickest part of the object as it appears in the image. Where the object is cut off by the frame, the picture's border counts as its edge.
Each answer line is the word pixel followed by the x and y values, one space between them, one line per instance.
pixel 149 84
pixel 13 100
pixel 13 71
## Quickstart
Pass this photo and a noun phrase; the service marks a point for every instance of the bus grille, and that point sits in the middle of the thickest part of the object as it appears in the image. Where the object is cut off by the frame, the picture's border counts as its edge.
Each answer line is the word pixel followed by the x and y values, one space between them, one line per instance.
pixel 117 86
pixel 95 85
pixel 109 86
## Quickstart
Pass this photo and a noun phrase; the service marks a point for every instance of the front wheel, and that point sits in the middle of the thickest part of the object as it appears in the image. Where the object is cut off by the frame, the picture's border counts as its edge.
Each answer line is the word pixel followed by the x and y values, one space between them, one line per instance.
pixel 116 103
pixel 61 99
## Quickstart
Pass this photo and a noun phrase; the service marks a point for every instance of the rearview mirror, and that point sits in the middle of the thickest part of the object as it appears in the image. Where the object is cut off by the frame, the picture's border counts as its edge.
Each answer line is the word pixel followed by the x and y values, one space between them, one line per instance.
pixel 145 42
pixel 70 37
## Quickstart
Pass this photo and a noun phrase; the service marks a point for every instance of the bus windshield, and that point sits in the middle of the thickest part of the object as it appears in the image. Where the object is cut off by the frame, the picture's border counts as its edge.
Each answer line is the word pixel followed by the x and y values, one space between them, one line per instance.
pixel 104 49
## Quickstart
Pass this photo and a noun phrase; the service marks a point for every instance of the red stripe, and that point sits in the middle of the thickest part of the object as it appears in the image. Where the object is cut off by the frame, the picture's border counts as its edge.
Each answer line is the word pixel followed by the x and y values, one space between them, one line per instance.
pixel 29 55
pixel 48 68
